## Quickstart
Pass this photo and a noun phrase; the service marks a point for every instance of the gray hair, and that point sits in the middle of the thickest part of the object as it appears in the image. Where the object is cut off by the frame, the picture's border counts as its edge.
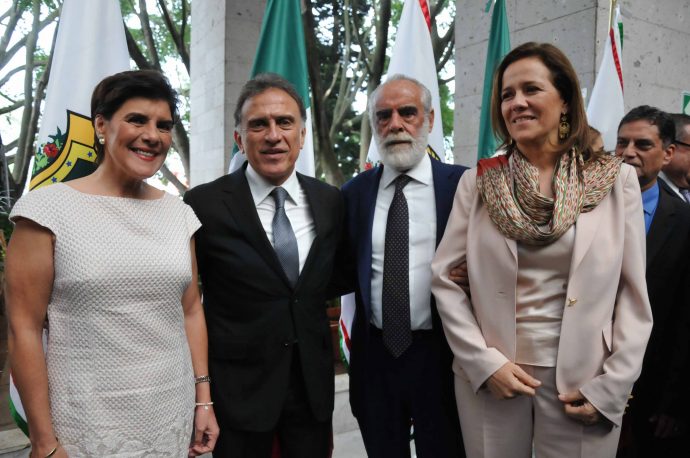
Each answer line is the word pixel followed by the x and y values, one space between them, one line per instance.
pixel 426 96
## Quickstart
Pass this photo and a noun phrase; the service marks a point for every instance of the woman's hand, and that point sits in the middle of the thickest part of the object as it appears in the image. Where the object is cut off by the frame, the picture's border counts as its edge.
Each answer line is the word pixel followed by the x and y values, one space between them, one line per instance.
pixel 579 408
pixel 510 380
pixel 205 431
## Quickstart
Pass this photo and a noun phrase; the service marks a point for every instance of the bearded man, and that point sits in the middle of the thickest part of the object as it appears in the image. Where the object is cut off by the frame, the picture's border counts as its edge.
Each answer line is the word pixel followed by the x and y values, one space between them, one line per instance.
pixel 400 367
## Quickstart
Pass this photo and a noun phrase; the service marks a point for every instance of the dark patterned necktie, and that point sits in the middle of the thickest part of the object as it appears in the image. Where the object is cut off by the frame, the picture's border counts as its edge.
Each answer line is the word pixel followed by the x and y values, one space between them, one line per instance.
pixel 686 195
pixel 397 335
pixel 284 240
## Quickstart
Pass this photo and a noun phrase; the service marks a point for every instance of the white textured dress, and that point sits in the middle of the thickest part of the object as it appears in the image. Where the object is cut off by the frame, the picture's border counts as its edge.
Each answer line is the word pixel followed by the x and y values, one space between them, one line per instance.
pixel 119 367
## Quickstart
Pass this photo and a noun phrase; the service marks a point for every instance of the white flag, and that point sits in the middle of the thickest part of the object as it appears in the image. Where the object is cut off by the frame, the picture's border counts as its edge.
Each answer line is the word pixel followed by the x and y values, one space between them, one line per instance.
pixel 90 45
pixel 606 108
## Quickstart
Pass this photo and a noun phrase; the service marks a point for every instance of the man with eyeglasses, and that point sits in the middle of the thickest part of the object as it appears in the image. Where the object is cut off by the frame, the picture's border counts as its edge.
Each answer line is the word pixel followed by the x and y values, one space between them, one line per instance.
pixel 657 422
pixel 677 172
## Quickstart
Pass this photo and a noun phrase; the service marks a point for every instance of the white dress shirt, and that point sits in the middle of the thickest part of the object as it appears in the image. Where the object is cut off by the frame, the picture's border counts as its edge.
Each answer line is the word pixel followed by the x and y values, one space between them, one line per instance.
pixel 296 208
pixel 421 204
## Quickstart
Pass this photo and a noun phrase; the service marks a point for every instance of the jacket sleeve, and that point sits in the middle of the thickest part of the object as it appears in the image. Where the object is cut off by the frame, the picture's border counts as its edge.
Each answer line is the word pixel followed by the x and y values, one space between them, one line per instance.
pixel 460 325
pixel 632 322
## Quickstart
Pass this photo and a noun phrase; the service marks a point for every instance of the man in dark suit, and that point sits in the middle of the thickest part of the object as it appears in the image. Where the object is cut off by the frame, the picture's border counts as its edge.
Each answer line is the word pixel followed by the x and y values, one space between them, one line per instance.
pixel 400 367
pixel 677 172
pixel 657 414
pixel 266 252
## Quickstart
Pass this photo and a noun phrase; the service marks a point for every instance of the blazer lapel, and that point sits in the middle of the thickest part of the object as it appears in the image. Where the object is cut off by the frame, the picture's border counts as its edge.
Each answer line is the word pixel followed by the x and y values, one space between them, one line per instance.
pixel 585 231
pixel 366 216
pixel 240 203
pixel 444 192
pixel 318 213
pixel 661 226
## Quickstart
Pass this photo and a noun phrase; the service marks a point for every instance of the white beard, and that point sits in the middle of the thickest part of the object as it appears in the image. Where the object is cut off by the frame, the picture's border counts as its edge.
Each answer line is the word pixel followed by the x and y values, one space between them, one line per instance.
pixel 402 157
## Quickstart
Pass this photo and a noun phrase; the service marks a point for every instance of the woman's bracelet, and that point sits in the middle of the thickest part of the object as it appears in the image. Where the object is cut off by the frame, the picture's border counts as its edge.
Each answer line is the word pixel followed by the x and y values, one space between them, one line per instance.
pixel 205 405
pixel 202 379
pixel 52 452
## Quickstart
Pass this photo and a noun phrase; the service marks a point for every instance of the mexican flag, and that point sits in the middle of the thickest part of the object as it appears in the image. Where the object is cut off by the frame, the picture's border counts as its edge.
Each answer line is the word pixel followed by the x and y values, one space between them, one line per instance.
pixel 606 107
pixel 499 46
pixel 90 45
pixel 413 56
pixel 282 50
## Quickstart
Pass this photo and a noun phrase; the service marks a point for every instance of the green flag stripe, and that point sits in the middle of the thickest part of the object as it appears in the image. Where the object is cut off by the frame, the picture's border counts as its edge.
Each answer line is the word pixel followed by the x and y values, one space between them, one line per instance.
pixel 281 47
pixel 499 46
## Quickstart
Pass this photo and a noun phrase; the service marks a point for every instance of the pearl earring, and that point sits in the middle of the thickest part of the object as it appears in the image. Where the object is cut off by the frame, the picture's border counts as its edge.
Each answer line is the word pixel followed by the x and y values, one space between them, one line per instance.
pixel 101 140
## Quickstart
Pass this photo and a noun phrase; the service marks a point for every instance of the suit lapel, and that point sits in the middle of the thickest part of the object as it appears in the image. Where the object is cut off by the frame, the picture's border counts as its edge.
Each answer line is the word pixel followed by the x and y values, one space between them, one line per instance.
pixel 444 192
pixel 366 211
pixel 586 228
pixel 661 226
pixel 318 213
pixel 239 201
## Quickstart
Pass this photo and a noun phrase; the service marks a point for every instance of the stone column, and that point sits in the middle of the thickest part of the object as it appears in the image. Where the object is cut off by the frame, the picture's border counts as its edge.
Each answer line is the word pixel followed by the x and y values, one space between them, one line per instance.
pixel 223 44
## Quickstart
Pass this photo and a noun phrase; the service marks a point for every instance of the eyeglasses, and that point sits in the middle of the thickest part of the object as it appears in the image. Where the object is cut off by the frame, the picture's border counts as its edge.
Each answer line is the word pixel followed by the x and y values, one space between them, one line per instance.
pixel 678 142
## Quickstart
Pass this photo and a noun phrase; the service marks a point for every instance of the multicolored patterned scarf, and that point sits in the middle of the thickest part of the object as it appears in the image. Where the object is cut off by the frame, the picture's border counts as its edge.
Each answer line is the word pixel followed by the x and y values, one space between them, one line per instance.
pixel 509 186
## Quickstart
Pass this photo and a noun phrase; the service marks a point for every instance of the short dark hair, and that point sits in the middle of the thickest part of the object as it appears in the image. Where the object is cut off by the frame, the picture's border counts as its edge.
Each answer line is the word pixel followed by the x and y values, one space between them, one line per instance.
pixel 113 91
pixel 564 79
pixel 656 117
pixel 680 120
pixel 261 83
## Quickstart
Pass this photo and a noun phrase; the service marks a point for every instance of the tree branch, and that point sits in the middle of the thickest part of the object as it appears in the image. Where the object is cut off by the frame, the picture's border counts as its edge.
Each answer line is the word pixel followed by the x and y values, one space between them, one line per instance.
pixel 14 106
pixel 177 36
pixel 135 52
pixel 148 34
pixel 165 171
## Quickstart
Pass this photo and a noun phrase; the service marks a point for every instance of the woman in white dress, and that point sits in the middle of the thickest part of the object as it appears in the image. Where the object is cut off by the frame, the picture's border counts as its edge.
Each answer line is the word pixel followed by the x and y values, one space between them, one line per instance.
pixel 106 264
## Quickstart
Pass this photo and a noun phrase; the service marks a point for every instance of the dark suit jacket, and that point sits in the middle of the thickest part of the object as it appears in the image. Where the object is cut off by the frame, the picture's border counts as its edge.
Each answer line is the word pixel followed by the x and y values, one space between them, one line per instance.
pixel 661 387
pixel 360 201
pixel 254 317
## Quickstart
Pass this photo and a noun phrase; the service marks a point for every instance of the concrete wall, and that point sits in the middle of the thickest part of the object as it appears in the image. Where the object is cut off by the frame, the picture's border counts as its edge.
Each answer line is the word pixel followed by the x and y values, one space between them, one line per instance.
pixel 656 55
pixel 223 44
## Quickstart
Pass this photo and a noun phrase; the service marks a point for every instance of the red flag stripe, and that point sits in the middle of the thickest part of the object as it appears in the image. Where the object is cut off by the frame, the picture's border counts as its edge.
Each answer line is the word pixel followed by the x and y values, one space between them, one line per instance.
pixel 425 10
pixel 616 58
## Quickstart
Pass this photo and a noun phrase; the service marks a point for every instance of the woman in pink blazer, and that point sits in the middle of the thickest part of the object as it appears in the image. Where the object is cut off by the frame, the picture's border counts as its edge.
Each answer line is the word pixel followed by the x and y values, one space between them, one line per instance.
pixel 547 349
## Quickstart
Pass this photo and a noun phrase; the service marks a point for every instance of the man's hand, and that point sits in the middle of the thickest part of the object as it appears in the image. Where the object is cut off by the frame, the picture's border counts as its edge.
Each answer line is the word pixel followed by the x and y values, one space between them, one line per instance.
pixel 511 380
pixel 666 426
pixel 579 408
pixel 458 275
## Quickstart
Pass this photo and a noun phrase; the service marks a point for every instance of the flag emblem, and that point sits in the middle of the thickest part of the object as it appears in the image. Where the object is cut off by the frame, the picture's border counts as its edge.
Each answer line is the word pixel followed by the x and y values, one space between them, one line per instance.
pixel 66 155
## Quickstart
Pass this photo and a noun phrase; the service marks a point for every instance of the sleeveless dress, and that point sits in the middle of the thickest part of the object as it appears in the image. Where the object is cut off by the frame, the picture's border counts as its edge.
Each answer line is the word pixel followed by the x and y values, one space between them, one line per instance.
pixel 119 367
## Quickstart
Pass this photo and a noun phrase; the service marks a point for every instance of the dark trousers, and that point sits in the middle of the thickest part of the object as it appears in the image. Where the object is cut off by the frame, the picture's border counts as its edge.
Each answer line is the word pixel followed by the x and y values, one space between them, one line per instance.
pixel 413 389
pixel 638 440
pixel 299 434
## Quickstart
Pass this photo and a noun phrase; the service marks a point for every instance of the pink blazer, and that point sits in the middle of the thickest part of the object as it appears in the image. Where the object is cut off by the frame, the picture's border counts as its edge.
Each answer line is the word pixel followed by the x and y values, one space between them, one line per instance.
pixel 606 320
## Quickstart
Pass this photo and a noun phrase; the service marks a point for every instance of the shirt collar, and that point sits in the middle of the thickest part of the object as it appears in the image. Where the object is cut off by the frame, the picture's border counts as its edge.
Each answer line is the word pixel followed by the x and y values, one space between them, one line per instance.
pixel 420 172
pixel 650 197
pixel 261 188
pixel 670 184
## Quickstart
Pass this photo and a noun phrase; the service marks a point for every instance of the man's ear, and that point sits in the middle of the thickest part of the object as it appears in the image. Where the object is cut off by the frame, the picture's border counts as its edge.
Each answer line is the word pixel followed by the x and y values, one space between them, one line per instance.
pixel 668 154
pixel 238 140
pixel 431 119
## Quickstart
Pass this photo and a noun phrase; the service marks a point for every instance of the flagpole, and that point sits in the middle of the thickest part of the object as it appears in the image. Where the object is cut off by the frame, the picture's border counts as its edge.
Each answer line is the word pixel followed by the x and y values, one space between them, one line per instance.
pixel 612 7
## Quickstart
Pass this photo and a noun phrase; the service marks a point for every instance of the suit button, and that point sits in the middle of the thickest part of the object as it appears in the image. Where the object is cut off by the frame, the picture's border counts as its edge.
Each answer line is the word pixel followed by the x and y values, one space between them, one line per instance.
pixel 571 301
pixel 286 344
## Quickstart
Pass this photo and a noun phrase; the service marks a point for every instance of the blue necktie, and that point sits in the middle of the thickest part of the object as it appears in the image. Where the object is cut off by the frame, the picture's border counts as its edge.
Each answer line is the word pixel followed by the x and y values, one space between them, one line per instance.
pixel 397 334
pixel 284 240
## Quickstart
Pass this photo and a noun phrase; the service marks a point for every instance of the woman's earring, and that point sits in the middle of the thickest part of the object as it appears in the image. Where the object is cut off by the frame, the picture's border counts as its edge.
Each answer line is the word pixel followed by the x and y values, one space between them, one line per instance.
pixel 101 140
pixel 564 128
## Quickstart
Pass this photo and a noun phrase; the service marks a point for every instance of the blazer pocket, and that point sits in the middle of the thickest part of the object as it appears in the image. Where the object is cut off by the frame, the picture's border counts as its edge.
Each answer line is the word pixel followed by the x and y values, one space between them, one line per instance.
pixel 607 333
